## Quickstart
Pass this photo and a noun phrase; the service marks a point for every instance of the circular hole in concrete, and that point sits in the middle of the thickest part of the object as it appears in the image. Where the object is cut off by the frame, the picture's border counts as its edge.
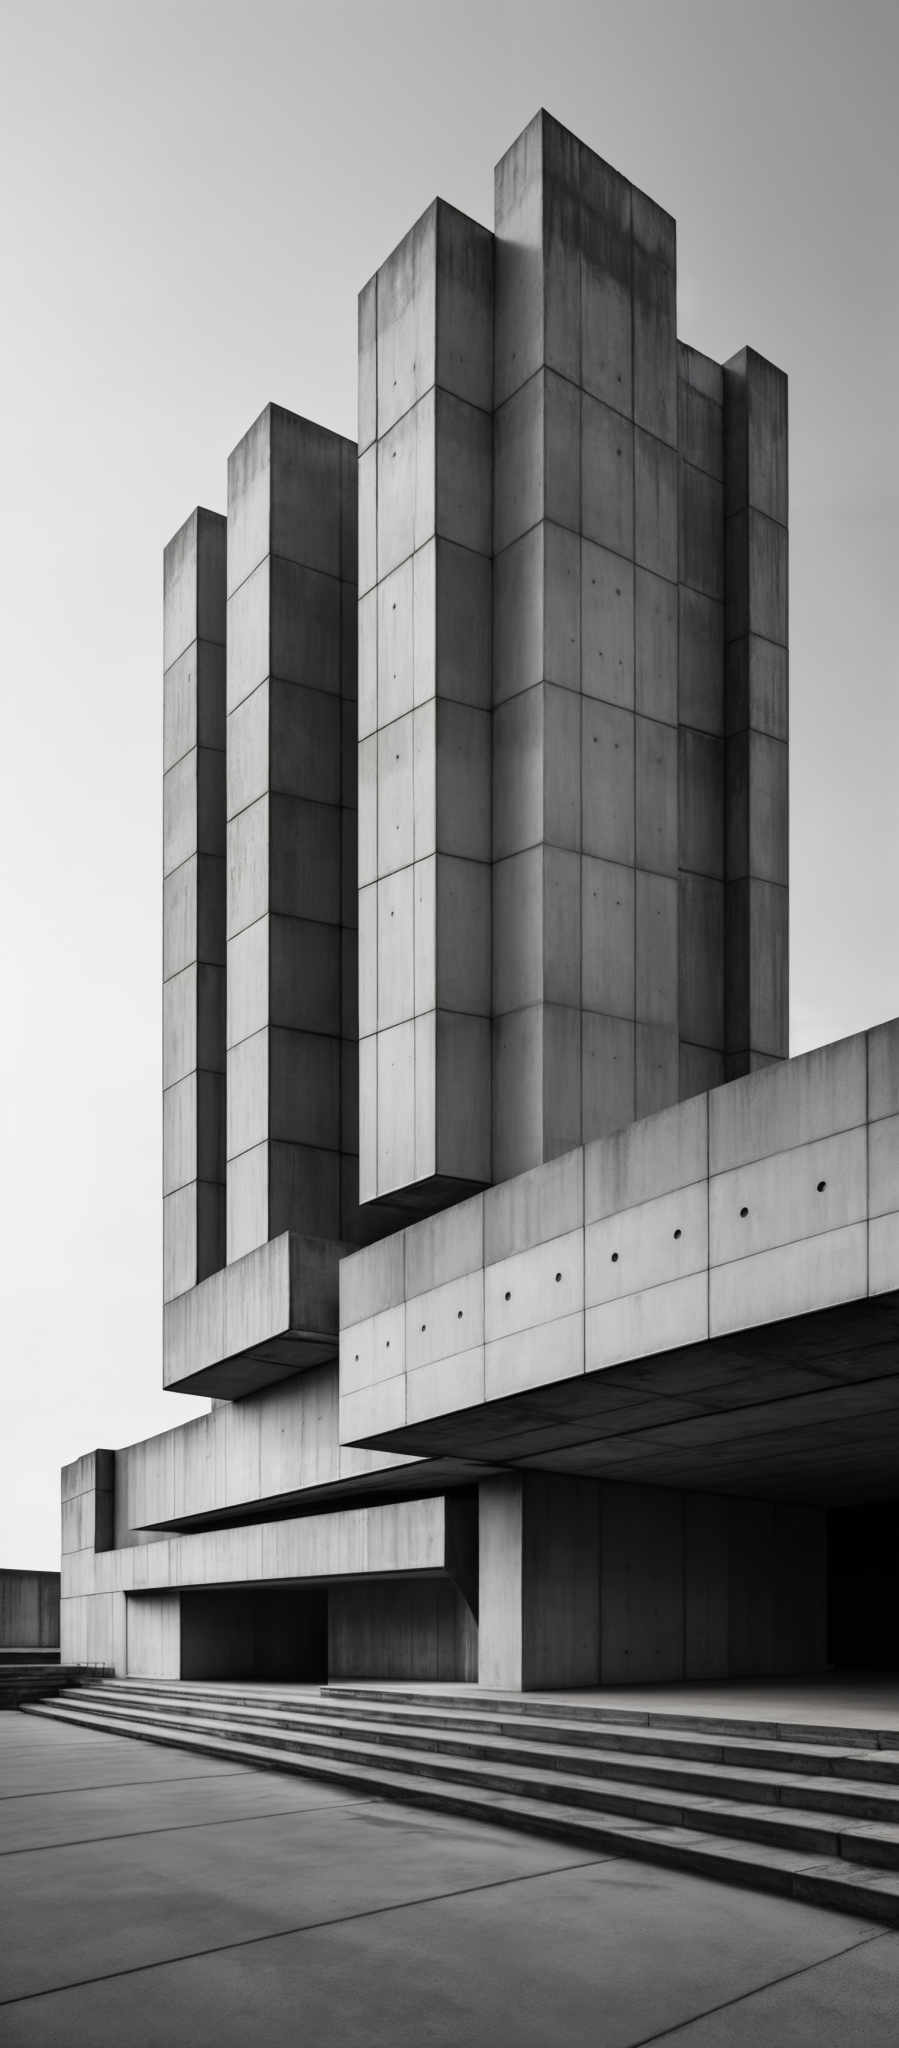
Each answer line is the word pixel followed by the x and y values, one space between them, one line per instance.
pixel 744 1212
pixel 821 1186
pixel 458 1315
pixel 678 1233
pixel 508 1297
pixel 558 1278
pixel 388 1343
pixel 423 1328
pixel 614 1258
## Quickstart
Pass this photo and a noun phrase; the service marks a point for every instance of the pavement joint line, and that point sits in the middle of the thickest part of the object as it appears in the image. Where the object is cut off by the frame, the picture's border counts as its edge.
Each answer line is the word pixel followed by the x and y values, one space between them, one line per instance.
pixel 771 1984
pixel 121 1784
pixel 180 1827
pixel 308 1927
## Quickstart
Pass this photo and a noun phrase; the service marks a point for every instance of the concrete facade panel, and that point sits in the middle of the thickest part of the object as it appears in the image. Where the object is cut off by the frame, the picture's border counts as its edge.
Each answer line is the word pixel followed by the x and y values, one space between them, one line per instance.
pixel 655 1157
pixel 647 1246
pixel 534 1357
pixel 789 1280
pixel 797 1194
pixel 661 1318
pixel 814 1096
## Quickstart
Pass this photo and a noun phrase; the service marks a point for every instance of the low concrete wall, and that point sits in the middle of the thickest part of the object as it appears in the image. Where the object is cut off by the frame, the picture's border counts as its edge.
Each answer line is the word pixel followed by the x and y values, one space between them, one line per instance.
pixel 29 1610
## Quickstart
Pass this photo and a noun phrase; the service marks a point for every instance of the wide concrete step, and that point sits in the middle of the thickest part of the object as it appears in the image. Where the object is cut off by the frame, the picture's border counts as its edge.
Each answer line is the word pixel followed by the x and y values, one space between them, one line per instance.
pixel 823 1833
pixel 418 1712
pixel 820 1879
pixel 811 1793
pixel 766 1729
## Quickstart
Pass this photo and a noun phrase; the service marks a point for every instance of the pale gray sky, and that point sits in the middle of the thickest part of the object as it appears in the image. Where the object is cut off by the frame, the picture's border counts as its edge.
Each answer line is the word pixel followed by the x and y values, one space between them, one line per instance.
pixel 193 194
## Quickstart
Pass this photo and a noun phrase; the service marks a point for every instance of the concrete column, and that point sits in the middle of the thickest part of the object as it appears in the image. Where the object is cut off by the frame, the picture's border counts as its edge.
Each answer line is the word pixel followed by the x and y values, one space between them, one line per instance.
pixel 585 602
pixel 757 713
pixel 194 904
pixel 291 679
pixel 700 685
pixel 425 395
pixel 539 1575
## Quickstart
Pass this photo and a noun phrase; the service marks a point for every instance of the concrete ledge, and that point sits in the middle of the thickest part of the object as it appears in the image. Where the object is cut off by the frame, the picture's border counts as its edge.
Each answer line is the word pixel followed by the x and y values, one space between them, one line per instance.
pixel 271 1314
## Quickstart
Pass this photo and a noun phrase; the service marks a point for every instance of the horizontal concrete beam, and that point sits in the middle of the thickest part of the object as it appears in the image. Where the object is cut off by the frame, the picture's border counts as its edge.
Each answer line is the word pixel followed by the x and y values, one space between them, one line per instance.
pixel 401 1537
pixel 267 1316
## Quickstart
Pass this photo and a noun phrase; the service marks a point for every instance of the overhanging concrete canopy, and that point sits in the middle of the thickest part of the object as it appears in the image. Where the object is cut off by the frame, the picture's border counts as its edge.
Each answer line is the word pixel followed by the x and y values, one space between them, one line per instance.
pixel 708 1299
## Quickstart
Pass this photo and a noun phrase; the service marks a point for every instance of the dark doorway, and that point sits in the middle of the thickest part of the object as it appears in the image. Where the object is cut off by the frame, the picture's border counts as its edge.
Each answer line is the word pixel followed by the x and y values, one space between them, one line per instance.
pixel 863 1605
pixel 265 1632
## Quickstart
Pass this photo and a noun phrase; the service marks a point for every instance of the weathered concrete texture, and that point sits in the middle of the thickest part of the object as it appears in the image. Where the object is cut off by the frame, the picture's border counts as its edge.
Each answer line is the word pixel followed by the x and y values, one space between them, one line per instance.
pixel 717 1282
pixel 193 1119
pixel 426 376
pixel 583 1584
pixel 291 1139
pixel 29 1610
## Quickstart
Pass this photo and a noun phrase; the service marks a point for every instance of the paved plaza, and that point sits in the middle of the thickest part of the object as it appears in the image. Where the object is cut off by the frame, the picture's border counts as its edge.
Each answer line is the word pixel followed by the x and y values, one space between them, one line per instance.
pixel 150 1898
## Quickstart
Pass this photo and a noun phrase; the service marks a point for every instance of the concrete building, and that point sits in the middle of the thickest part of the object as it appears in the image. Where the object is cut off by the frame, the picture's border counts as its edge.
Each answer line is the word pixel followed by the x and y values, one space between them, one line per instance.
pixel 548 1311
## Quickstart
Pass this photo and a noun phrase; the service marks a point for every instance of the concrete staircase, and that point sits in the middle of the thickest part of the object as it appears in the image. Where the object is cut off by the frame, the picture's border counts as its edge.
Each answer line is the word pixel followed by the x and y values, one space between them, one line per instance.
pixel 808 1811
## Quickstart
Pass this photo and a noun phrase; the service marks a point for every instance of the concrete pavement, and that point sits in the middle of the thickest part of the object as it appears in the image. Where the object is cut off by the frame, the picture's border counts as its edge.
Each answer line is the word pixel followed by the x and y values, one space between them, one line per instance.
pixel 156 1898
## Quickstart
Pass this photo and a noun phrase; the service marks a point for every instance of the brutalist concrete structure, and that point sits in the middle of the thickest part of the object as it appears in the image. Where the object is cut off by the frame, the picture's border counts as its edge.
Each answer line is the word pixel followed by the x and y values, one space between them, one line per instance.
pixel 549 1312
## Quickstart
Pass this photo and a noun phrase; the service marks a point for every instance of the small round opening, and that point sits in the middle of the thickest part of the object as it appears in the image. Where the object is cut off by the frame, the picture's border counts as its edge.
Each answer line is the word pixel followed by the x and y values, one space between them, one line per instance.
pixel 388 1343
pixel 558 1278
pixel 678 1233
pixel 744 1212
pixel 459 1315
pixel 508 1297
pixel 423 1328
pixel 821 1186
pixel 614 1258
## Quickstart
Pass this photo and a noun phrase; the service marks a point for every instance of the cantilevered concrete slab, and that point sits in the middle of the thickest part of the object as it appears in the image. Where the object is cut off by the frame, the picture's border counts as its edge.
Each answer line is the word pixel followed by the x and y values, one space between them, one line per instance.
pixel 261 1319
pixel 708 1299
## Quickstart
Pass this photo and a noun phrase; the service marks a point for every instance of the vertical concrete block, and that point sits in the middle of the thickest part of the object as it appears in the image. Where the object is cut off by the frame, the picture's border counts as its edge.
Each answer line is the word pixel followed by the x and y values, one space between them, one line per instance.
pixel 585 378
pixel 291 801
pixel 702 792
pixel 425 801
pixel 193 902
pixel 757 718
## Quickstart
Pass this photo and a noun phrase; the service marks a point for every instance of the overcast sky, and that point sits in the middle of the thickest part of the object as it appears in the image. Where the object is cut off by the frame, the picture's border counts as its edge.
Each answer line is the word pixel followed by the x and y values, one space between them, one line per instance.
pixel 193 195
